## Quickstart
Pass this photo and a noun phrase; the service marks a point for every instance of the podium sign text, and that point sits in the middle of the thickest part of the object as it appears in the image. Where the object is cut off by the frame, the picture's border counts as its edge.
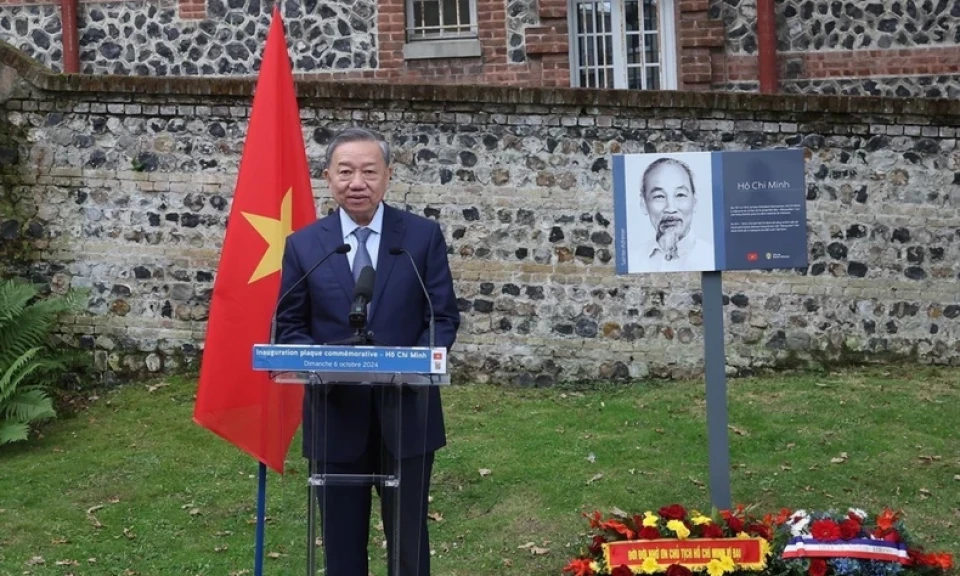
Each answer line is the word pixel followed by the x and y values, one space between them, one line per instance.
pixel 369 359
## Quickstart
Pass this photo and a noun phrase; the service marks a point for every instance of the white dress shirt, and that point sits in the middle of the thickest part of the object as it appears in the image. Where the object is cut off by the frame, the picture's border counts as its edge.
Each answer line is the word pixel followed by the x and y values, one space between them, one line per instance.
pixel 347 225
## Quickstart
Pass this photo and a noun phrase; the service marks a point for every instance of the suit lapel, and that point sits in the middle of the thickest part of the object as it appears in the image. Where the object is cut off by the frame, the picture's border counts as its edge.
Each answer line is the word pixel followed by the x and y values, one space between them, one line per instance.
pixel 392 237
pixel 331 237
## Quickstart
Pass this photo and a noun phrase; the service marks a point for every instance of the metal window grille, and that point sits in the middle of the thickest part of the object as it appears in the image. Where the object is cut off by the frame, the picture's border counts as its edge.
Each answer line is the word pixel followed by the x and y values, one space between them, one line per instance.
pixel 441 19
pixel 623 44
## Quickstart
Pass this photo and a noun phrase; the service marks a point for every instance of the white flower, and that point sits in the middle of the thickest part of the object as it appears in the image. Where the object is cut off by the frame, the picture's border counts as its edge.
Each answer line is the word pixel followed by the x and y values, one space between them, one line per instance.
pixel 799 522
pixel 858 513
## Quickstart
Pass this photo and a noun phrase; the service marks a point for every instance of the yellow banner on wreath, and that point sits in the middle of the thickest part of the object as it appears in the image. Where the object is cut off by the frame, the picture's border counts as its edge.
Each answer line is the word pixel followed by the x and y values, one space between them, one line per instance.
pixel 745 553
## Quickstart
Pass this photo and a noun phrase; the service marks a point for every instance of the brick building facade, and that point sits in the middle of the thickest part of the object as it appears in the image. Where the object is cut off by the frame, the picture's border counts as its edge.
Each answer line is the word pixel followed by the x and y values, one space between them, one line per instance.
pixel 879 47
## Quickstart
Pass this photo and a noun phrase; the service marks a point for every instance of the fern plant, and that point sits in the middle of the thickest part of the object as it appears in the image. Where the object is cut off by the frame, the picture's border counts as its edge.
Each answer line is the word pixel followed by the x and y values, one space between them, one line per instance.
pixel 28 364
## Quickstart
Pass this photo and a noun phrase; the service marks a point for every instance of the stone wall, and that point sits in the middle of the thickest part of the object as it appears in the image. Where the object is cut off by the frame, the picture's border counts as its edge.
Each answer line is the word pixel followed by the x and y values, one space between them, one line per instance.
pixel 124 184
pixel 853 47
pixel 151 39
pixel 330 39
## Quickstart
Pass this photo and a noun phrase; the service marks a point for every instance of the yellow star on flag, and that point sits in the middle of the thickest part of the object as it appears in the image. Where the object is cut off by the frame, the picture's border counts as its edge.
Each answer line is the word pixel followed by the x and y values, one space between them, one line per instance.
pixel 274 232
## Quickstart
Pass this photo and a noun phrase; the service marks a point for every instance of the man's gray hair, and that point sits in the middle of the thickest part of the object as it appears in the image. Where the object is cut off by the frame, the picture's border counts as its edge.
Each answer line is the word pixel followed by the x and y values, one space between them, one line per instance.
pixel 356 135
pixel 663 162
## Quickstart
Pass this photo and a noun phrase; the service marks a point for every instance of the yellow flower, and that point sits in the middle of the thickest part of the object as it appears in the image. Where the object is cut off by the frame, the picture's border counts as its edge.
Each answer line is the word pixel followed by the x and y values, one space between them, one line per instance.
pixel 649 566
pixel 727 563
pixel 700 519
pixel 715 568
pixel 743 536
pixel 650 519
pixel 764 549
pixel 678 527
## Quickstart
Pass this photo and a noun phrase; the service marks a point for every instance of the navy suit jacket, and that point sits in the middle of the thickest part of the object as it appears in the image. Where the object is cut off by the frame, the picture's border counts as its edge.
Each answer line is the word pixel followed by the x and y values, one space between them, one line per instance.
pixel 337 418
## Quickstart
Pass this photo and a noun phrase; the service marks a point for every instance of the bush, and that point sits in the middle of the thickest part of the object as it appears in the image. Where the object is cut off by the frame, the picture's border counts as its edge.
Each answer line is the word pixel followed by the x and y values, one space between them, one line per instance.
pixel 29 364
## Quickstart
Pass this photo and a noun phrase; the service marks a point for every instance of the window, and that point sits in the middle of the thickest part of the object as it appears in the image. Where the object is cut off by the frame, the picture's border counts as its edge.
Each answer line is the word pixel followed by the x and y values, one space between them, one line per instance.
pixel 441 19
pixel 623 44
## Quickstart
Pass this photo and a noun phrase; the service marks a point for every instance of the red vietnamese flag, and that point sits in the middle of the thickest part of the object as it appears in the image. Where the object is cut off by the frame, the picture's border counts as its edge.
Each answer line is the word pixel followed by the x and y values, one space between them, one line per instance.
pixel 273 197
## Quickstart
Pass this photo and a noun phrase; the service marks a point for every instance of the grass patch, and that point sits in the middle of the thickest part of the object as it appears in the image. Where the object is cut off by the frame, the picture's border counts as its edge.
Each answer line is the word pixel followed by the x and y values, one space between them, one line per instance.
pixel 132 486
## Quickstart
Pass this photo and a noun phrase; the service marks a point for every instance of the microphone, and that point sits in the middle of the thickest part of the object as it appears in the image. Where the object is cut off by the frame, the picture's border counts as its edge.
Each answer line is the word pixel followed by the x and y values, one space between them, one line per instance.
pixel 341 249
pixel 398 251
pixel 362 295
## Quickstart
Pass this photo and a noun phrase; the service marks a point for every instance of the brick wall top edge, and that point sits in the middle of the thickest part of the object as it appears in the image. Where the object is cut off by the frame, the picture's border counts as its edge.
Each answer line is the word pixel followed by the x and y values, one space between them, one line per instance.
pixel 345 91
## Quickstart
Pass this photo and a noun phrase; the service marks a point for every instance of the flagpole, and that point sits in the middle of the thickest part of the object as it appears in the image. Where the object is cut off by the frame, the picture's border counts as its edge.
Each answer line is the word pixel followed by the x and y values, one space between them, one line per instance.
pixel 261 520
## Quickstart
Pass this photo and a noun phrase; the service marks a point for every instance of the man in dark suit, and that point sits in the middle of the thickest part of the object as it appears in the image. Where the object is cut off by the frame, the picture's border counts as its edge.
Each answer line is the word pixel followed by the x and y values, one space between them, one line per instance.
pixel 348 428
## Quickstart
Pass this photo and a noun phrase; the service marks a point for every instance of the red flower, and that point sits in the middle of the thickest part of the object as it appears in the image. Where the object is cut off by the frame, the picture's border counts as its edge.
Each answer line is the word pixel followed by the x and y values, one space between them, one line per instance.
pixel 673 512
pixel 579 567
pixel 849 529
pixel 678 570
pixel 649 533
pixel 783 516
pixel 825 530
pixel 712 531
pixel 619 528
pixel 944 560
pixel 597 547
pixel 735 524
pixel 622 570
pixel 593 518
pixel 892 536
pixel 761 531
pixel 818 567
pixel 886 519
pixel 929 560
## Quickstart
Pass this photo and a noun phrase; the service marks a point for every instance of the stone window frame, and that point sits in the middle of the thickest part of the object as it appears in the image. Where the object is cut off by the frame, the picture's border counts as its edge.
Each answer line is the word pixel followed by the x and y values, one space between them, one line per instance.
pixel 666 30
pixel 464 44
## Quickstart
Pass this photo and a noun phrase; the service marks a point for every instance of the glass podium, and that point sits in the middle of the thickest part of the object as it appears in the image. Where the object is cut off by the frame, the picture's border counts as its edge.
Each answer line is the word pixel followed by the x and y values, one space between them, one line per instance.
pixel 395 371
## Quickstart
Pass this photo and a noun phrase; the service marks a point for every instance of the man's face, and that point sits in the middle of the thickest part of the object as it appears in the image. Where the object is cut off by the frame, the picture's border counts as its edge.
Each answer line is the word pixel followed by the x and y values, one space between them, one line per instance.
pixel 669 201
pixel 358 179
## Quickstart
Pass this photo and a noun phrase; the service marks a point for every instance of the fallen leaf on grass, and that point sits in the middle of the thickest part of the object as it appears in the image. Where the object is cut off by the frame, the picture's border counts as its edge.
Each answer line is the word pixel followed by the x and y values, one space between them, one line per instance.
pixel 924 494
pixel 594 479
pixel 243 572
pixel 59 541
pixel 223 533
pixel 156 387
pixel 274 555
pixel 36 561
pixel 537 551
pixel 839 459
pixel 786 467
pixel 698 483
pixel 194 511
pixel 591 458
pixel 128 532
pixel 956 477
pixel 93 520
pixel 436 516
pixel 527 545
pixel 91 560
pixel 507 562
pixel 115 500
pixel 485 472
pixel 619 513
pixel 220 548
pixel 93 509
pixel 67 563
pixel 738 431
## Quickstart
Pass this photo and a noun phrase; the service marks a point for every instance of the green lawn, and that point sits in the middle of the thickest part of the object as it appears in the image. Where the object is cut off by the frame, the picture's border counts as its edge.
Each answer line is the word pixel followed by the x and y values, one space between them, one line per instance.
pixel 132 486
